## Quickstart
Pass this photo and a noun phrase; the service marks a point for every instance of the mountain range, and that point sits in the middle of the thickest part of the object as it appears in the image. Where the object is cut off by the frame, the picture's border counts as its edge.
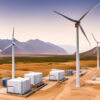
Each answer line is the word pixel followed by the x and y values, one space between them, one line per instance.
pixel 31 47
pixel 69 48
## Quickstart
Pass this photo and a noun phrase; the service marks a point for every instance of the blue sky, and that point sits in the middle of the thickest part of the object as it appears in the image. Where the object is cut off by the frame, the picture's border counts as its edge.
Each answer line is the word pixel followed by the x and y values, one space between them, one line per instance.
pixel 35 19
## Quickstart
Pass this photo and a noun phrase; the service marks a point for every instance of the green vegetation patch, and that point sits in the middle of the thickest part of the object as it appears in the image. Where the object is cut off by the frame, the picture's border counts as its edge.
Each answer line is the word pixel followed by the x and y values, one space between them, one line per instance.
pixel 64 58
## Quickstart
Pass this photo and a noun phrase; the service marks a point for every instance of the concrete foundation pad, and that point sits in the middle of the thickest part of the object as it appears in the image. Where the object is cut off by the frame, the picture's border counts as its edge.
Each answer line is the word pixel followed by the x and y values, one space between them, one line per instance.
pixel 3 90
pixel 49 85
pixel 98 79
pixel 93 82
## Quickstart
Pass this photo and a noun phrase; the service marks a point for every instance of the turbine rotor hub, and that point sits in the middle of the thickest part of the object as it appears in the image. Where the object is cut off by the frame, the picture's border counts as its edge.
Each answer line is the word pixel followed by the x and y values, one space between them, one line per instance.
pixel 13 43
pixel 77 23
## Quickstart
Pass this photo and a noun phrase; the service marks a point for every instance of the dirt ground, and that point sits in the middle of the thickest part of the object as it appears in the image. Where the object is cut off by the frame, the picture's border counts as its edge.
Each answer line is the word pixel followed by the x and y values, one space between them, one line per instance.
pixel 61 90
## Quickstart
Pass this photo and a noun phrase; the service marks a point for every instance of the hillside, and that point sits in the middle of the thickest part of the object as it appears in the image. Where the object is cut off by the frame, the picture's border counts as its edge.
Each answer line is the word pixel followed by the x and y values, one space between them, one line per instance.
pixel 93 51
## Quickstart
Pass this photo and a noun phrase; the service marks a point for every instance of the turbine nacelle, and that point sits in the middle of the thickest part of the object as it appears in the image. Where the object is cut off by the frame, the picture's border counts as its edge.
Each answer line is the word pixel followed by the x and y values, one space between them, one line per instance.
pixel 13 43
pixel 77 24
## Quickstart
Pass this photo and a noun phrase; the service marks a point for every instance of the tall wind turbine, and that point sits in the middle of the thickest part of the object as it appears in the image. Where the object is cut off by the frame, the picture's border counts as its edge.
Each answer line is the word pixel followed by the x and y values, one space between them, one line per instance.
pixel 97 51
pixel 77 25
pixel 13 57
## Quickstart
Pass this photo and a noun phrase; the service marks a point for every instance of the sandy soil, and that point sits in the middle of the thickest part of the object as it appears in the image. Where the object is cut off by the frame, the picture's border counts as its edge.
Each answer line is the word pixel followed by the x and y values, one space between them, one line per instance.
pixel 61 90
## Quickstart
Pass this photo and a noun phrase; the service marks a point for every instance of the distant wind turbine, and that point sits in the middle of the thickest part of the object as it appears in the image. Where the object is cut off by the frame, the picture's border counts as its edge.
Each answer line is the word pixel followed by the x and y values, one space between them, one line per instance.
pixel 97 51
pixel 13 57
pixel 77 25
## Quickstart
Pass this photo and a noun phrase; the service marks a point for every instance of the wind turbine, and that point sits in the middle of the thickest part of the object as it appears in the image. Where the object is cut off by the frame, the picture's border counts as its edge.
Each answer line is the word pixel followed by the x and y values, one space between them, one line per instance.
pixel 13 57
pixel 97 51
pixel 77 25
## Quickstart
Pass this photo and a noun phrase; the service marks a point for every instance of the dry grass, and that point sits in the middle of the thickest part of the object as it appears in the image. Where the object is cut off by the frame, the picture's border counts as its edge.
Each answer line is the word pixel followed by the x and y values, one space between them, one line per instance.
pixel 22 68
pixel 88 63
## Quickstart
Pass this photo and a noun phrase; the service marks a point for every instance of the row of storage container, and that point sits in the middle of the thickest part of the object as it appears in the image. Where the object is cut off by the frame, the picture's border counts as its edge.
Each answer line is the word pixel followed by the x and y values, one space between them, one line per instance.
pixel 36 77
pixel 23 85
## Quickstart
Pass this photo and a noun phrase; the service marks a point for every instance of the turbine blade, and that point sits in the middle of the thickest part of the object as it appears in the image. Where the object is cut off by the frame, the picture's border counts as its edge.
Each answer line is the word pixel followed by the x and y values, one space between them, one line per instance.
pixel 7 47
pixel 89 11
pixel 13 33
pixel 16 45
pixel 65 16
pixel 94 38
pixel 84 34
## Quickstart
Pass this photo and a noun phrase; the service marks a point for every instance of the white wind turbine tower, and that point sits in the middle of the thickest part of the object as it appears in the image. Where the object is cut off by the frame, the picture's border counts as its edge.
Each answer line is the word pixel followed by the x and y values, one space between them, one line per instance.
pixel 77 25
pixel 13 57
pixel 97 51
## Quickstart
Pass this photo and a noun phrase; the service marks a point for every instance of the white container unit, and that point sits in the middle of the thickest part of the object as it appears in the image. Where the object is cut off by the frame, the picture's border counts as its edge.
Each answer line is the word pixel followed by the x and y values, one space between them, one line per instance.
pixel 15 86
pixel 18 85
pixel 35 77
pixel 56 75
pixel 27 82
